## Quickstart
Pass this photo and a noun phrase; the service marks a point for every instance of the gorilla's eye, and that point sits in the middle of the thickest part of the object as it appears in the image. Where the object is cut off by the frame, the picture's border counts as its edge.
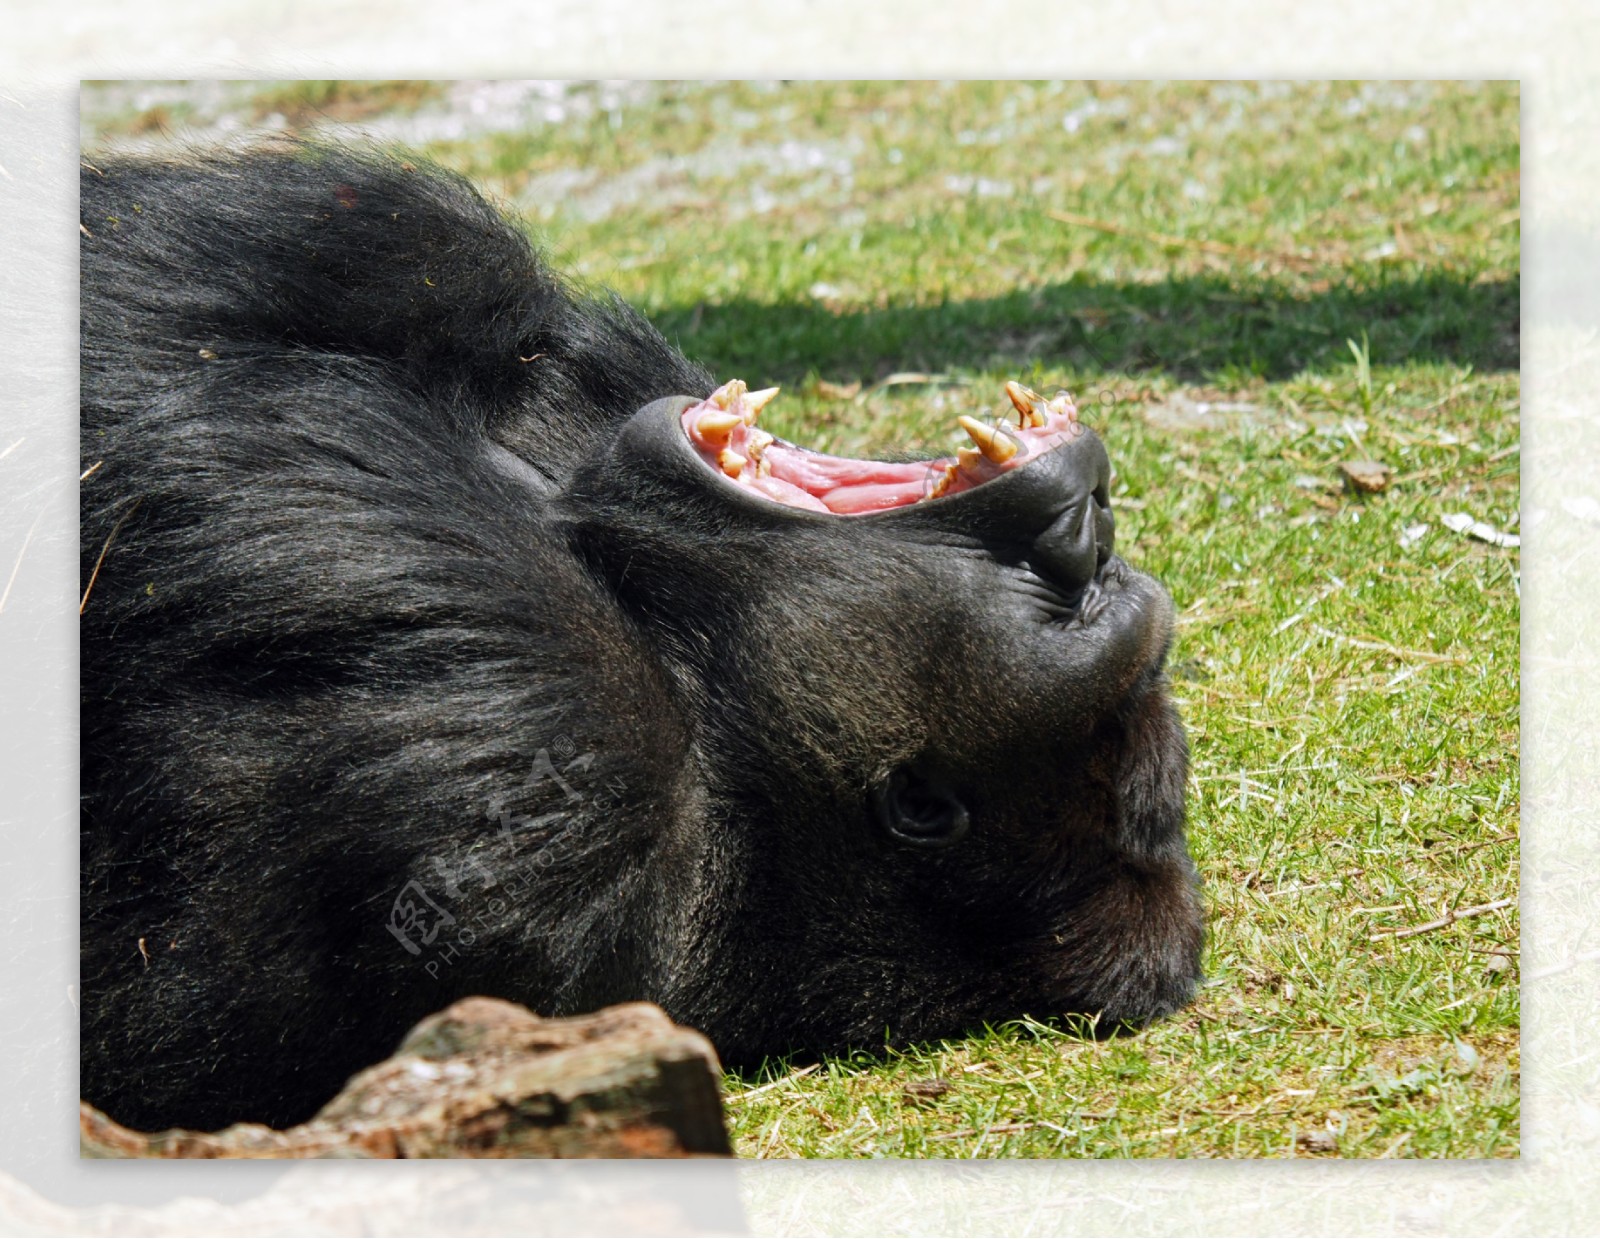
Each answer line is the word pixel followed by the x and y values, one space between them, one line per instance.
pixel 918 809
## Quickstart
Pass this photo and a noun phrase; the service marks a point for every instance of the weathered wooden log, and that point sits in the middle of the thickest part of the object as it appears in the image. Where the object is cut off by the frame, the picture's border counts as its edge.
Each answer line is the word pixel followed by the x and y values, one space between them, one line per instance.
pixel 486 1078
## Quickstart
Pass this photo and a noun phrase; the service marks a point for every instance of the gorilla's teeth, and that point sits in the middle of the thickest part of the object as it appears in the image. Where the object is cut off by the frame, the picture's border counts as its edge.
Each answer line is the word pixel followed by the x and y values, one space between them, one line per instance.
pixel 717 426
pixel 754 445
pixel 968 457
pixel 730 462
pixel 726 395
pixel 1025 399
pixel 757 400
pixel 993 442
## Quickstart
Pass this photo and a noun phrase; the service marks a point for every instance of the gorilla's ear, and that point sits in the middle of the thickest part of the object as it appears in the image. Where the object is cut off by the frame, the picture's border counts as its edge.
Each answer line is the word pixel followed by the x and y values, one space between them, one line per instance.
pixel 919 809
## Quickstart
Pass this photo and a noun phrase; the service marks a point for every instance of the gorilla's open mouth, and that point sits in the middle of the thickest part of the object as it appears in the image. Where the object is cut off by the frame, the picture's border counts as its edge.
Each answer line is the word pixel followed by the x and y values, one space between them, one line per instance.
pixel 722 428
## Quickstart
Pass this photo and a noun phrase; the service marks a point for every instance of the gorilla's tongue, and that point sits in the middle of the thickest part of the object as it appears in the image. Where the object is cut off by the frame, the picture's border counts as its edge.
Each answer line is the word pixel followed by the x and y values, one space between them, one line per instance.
pixel 723 430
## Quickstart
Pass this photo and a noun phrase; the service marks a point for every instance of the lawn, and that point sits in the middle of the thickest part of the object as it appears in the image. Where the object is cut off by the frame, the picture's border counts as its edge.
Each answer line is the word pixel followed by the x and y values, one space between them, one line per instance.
pixel 1246 286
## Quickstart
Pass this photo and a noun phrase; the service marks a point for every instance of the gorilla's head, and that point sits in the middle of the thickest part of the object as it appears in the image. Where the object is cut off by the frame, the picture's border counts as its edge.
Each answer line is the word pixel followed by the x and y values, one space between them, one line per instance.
pixel 929 715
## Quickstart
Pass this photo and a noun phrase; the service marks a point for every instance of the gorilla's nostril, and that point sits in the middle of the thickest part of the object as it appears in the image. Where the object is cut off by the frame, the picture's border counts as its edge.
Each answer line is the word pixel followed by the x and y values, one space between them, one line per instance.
pixel 918 809
pixel 1105 531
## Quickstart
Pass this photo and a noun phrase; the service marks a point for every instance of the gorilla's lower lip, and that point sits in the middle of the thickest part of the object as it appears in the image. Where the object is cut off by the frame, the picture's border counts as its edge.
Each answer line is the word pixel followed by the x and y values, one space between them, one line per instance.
pixel 722 430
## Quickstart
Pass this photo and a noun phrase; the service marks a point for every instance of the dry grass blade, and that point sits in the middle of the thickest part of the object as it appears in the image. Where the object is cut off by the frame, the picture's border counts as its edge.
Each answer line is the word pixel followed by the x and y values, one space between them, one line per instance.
pixel 734 1098
pixel 1444 922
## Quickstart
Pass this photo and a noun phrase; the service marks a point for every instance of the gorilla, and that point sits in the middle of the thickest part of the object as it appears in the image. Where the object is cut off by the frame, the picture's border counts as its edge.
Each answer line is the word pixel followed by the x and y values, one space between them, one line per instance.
pixel 445 632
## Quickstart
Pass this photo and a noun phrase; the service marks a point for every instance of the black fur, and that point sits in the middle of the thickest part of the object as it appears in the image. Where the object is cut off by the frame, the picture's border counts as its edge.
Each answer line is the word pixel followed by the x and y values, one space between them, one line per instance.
pixel 364 578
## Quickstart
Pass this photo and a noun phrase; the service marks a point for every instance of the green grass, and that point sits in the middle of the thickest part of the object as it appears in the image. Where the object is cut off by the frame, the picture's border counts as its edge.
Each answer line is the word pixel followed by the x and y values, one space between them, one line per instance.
pixel 1352 707
pixel 1244 286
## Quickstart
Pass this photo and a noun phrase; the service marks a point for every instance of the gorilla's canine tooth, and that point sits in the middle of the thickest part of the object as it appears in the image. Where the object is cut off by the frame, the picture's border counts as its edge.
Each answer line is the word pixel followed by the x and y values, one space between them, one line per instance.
pixel 715 425
pixel 1026 400
pixel 993 442
pixel 731 462
pixel 757 400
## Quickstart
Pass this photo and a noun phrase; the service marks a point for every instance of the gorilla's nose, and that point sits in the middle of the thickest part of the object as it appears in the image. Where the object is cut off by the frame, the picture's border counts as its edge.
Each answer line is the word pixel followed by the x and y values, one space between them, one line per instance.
pixel 1080 539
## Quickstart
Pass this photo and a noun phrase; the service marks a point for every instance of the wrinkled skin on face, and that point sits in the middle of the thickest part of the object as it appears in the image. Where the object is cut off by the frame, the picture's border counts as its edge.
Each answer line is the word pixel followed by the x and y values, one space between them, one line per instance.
pixel 433 645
